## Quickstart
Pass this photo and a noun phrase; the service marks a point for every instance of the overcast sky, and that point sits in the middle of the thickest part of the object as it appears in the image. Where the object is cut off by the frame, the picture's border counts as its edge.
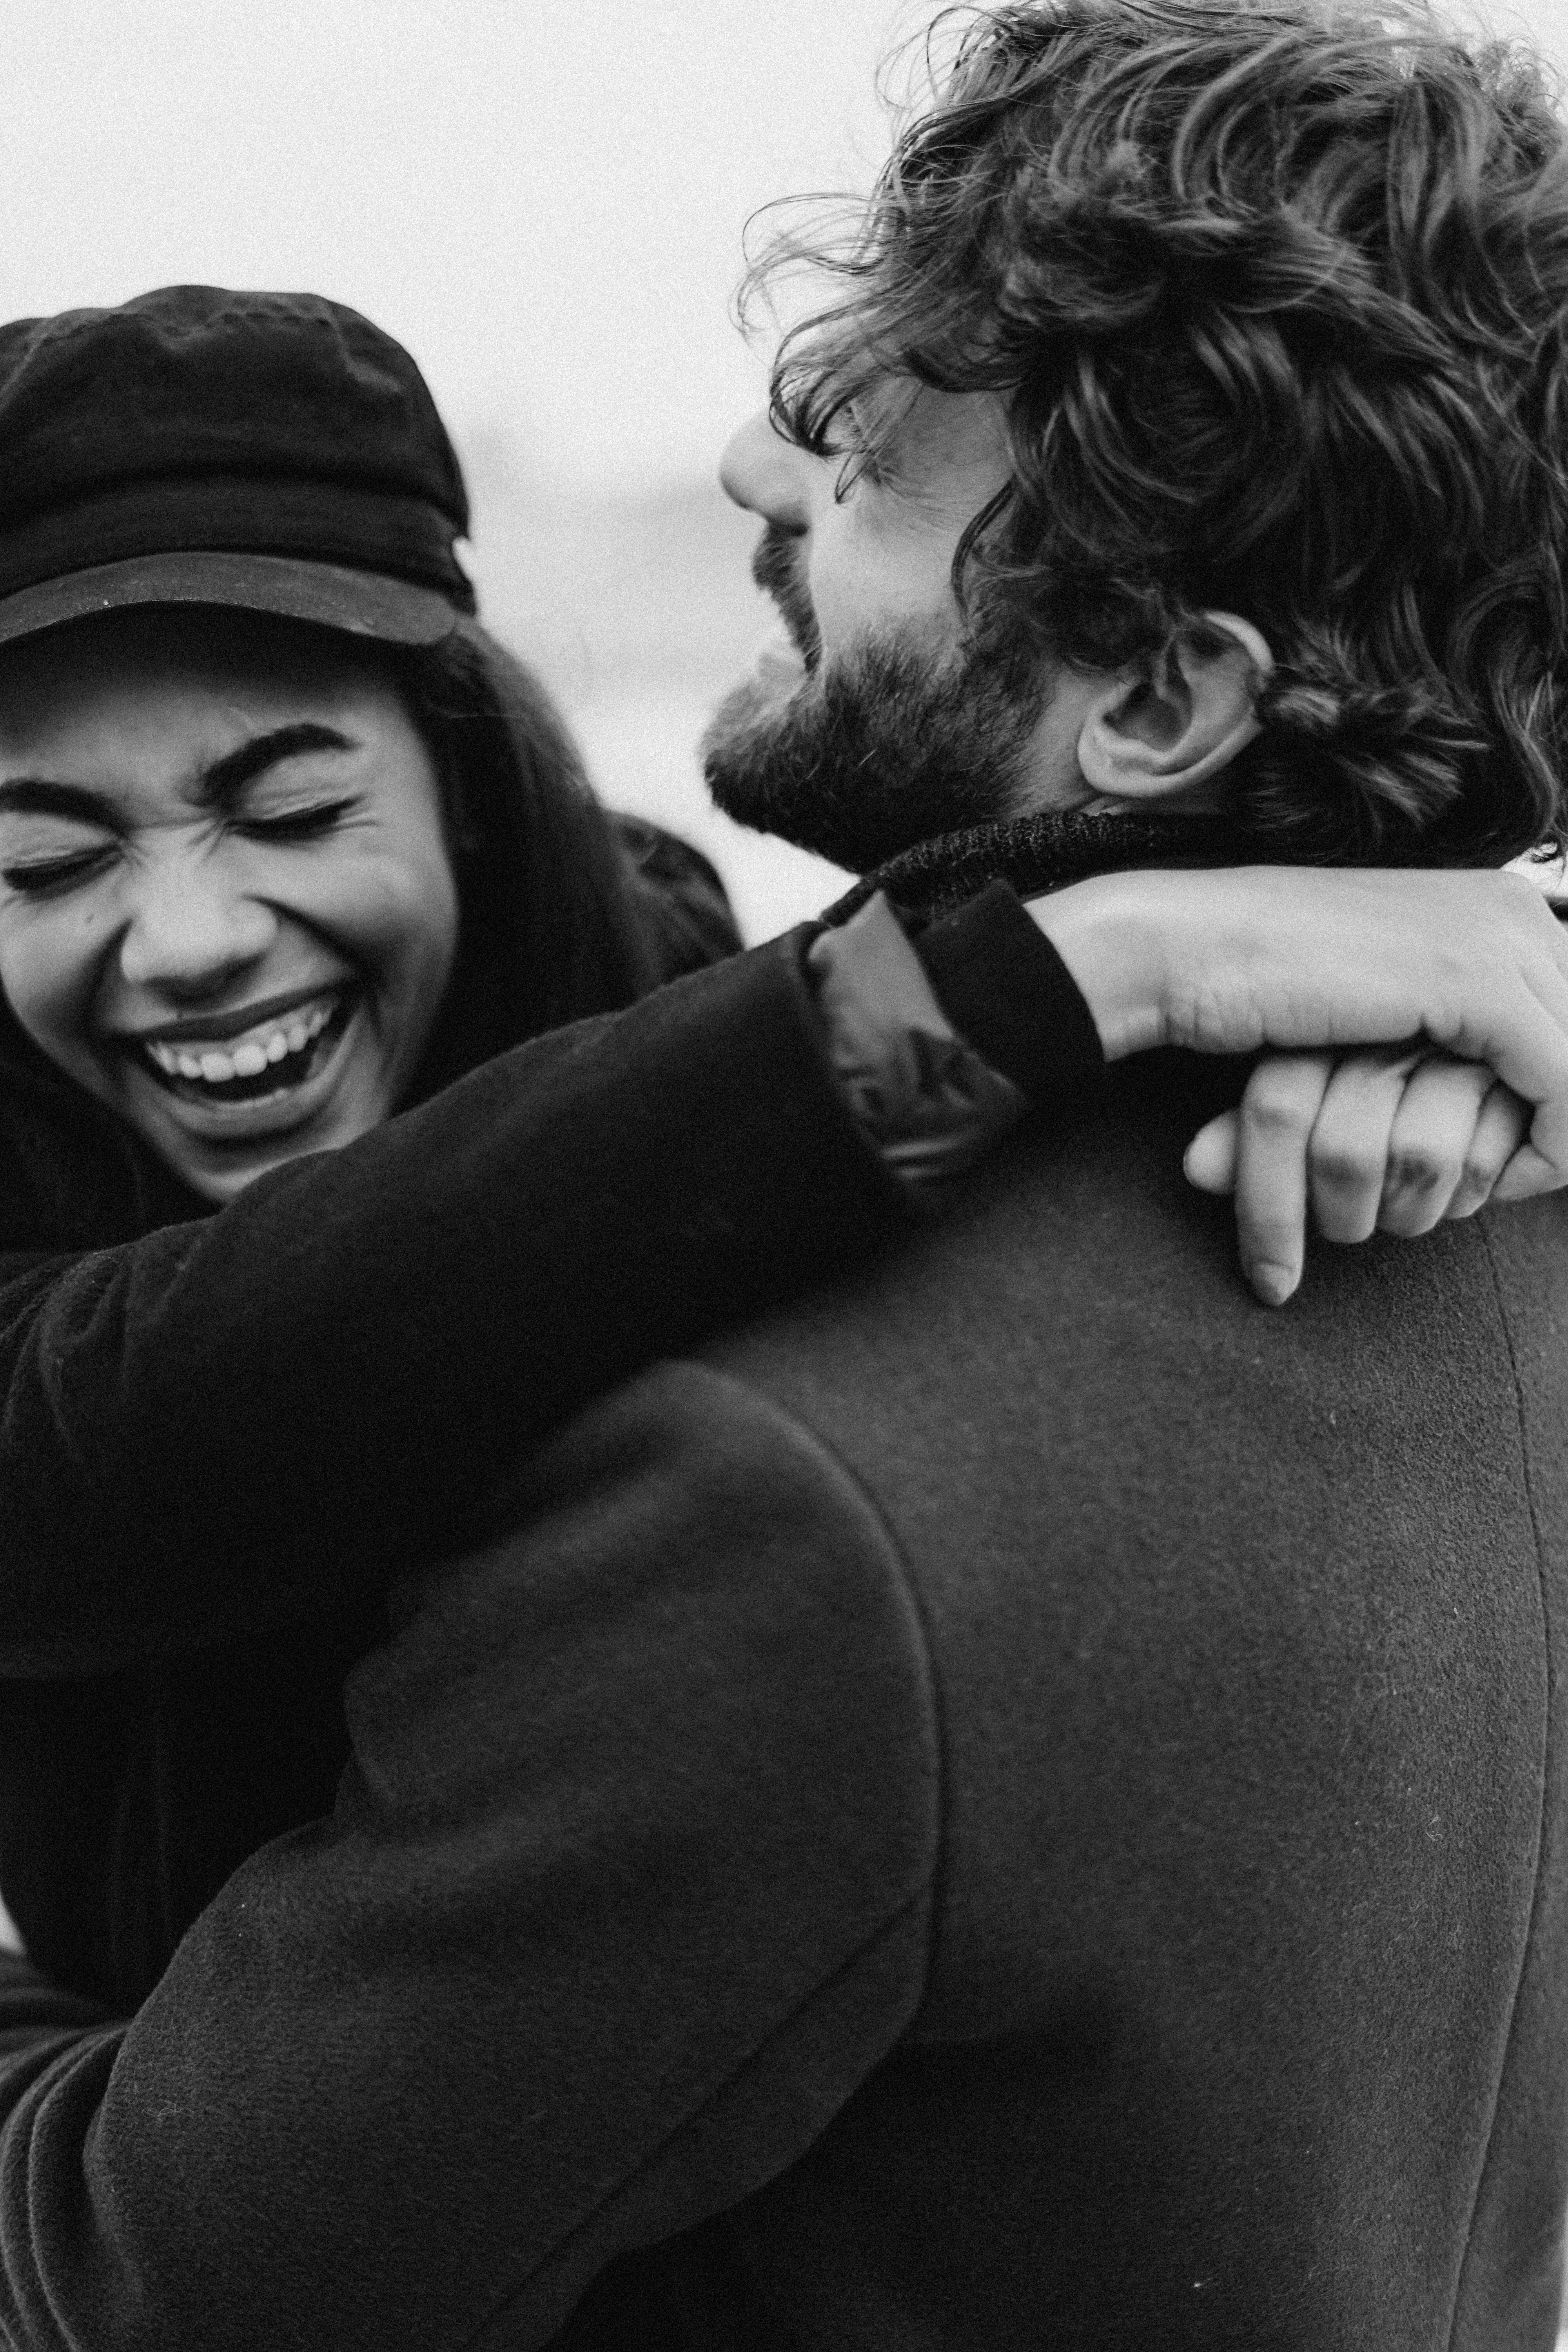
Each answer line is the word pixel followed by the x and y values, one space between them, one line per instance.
pixel 542 198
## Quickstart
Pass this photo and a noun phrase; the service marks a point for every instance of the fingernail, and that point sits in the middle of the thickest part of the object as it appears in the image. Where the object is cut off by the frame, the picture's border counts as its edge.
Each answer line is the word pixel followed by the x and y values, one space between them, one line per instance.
pixel 1273 1284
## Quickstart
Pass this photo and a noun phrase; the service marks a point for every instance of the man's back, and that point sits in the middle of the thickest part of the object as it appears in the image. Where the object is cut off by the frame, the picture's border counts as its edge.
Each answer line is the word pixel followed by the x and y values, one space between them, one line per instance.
pixel 1144 461
pixel 1240 2020
pixel 1015 1806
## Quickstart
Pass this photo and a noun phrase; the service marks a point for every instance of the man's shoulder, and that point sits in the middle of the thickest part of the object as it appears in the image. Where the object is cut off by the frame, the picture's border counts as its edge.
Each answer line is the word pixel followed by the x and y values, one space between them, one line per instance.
pixel 1076 1329
pixel 1148 1518
pixel 1065 1230
pixel 1038 1255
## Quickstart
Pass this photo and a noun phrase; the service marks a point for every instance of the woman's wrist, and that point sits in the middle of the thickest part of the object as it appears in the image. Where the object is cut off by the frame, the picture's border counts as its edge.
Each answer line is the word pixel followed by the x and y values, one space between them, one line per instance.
pixel 1113 932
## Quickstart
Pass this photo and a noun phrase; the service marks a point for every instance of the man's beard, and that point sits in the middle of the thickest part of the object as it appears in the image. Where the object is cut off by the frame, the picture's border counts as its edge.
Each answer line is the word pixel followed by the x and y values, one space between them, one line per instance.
pixel 892 745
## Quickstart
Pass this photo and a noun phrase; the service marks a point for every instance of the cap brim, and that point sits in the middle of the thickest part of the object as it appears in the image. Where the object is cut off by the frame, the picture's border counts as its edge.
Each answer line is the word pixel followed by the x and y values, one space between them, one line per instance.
pixel 365 603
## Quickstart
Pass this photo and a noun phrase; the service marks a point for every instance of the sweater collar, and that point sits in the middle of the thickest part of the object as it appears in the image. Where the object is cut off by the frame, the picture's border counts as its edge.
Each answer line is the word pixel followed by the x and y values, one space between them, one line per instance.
pixel 1046 852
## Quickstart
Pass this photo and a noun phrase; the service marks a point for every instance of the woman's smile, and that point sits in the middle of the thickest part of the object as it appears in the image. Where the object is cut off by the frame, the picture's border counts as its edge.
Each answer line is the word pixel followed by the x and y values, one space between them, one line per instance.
pixel 226 905
pixel 258 1072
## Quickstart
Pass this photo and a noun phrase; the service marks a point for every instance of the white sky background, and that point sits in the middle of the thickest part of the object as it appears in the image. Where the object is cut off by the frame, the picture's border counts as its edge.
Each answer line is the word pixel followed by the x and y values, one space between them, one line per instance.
pixel 543 200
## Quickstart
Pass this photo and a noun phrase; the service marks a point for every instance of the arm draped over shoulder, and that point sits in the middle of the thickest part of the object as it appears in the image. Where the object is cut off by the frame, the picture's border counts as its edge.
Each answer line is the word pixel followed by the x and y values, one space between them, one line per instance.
pixel 257 1415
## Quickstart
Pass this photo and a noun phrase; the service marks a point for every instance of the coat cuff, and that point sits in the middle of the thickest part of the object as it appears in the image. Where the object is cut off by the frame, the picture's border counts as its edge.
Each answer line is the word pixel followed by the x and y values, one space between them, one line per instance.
pixel 1007 992
pixel 920 1041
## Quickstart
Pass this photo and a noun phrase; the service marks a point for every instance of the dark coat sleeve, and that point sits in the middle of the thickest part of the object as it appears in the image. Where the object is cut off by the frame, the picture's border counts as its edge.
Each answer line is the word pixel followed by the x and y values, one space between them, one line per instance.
pixel 257 1417
pixel 625 1892
pixel 254 1415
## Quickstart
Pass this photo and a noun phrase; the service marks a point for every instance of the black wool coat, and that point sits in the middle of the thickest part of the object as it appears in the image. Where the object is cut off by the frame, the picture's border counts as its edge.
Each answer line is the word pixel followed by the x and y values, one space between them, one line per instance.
pixel 1019 1803
pixel 1178 1913
pixel 223 1437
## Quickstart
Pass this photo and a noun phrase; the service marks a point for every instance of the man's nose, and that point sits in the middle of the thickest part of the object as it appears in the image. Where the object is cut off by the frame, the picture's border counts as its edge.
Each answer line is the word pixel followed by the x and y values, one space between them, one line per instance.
pixel 189 931
pixel 767 474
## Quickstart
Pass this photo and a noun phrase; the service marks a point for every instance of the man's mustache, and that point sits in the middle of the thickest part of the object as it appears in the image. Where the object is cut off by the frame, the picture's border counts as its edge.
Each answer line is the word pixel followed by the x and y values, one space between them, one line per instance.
pixel 775 568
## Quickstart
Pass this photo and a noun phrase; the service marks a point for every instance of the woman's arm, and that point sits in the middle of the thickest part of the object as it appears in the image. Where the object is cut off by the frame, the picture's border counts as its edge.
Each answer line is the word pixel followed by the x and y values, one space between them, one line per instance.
pixel 263 1413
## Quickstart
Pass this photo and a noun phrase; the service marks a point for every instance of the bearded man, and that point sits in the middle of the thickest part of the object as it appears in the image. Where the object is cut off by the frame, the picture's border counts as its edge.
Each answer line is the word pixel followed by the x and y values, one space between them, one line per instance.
pixel 1178 479
pixel 1020 1802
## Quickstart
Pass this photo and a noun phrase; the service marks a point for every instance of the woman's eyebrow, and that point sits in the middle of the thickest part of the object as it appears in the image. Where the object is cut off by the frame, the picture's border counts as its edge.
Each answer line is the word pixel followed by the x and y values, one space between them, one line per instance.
pixel 36 796
pixel 229 775
pixel 219 783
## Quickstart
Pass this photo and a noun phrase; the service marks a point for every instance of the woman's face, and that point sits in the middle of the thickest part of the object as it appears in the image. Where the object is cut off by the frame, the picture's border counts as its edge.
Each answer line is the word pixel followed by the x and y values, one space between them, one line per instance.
pixel 227 907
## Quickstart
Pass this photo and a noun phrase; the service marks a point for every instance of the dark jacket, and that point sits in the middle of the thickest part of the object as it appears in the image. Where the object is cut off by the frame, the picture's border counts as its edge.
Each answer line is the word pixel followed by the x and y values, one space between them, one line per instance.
pixel 1019 1803
pixel 170 1663
pixel 1220 2003
pixel 222 1437
pixel 1219 1998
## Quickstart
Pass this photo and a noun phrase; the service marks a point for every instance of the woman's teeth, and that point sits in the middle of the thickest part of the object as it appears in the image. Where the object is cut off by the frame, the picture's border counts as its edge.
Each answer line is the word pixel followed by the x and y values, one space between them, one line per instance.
pixel 271 1042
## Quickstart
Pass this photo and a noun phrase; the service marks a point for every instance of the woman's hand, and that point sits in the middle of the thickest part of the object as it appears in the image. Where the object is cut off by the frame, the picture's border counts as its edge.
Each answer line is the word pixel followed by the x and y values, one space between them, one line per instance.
pixel 1291 957
pixel 1388 1141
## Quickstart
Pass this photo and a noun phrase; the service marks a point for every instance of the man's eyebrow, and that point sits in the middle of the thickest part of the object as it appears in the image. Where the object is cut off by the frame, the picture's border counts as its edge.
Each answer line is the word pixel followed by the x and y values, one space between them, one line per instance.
pixel 44 796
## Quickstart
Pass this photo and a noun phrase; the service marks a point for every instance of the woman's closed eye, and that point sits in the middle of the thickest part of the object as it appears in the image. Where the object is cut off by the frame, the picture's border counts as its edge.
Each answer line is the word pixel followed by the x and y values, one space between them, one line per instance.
pixel 40 873
pixel 36 875
pixel 299 823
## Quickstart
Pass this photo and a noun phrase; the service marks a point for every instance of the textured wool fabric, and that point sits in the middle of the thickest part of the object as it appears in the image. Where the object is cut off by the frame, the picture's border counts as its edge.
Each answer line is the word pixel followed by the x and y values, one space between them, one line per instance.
pixel 1046 851
pixel 220 1444
pixel 1018 1803
pixel 338 2119
pixel 242 1418
pixel 1242 2025
pixel 196 417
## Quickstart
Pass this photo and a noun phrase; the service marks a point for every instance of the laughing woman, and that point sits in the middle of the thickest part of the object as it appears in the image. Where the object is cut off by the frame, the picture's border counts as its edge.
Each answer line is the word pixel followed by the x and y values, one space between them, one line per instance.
pixel 312 1213
pixel 289 845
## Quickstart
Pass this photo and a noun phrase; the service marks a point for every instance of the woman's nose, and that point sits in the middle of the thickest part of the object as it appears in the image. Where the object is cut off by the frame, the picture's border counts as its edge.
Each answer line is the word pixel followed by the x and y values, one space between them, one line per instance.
pixel 769 475
pixel 189 932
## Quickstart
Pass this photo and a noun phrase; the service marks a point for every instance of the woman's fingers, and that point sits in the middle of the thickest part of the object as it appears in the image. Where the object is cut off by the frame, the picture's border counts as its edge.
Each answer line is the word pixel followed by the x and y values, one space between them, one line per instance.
pixel 1469 964
pixel 1432 1142
pixel 1499 1131
pixel 1209 1160
pixel 1350 1150
pixel 1384 1140
pixel 1527 1174
pixel 1259 1152
pixel 1274 1129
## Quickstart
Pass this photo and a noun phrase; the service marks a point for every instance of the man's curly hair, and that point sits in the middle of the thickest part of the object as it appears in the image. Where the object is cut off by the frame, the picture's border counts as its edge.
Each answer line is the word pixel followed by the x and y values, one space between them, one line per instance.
pixel 1278 298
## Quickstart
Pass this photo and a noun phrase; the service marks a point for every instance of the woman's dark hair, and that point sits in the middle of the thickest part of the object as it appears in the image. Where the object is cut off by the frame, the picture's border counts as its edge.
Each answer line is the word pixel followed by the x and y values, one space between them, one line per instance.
pixel 550 931
pixel 1276 296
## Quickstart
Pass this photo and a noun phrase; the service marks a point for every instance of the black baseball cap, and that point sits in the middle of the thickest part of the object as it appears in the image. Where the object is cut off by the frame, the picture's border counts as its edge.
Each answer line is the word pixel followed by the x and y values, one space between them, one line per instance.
pixel 197 445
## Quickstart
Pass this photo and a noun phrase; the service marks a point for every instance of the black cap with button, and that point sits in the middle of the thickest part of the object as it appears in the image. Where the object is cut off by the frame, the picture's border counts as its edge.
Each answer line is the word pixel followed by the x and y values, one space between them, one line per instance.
pixel 195 446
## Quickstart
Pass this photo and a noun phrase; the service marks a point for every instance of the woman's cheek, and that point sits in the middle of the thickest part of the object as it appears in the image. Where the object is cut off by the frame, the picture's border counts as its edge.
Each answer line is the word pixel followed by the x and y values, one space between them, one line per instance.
pixel 40 983
pixel 383 899
pixel 414 919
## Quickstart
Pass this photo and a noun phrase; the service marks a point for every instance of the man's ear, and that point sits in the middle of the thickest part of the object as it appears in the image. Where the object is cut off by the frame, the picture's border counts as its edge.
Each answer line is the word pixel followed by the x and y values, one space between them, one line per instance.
pixel 1181 718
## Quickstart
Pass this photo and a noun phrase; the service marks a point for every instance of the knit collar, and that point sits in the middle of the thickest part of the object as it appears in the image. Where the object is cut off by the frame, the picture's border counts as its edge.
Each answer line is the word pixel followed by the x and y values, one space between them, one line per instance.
pixel 1045 852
